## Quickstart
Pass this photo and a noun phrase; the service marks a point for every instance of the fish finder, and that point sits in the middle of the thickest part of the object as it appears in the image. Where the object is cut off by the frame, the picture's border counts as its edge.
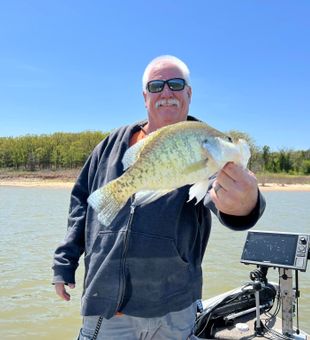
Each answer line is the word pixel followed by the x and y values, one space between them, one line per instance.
pixel 276 249
pixel 287 252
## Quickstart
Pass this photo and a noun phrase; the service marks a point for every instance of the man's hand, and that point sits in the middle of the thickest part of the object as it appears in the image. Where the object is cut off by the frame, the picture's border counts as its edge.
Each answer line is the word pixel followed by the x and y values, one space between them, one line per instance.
pixel 235 190
pixel 61 290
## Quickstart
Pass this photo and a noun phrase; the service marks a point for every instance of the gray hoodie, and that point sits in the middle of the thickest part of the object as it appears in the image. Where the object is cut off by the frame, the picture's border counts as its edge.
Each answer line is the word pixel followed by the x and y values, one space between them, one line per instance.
pixel 147 263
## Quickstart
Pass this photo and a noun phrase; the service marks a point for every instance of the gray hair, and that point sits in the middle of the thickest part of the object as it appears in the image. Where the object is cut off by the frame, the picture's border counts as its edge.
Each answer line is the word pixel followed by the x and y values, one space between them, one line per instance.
pixel 161 60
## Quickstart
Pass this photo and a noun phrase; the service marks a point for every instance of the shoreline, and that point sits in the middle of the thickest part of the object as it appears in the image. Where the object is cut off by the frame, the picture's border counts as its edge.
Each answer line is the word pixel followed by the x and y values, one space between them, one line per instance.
pixel 283 187
pixel 36 182
pixel 68 183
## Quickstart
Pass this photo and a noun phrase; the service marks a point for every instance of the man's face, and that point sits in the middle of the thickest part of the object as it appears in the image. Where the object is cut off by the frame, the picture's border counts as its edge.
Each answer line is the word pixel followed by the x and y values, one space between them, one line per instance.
pixel 166 107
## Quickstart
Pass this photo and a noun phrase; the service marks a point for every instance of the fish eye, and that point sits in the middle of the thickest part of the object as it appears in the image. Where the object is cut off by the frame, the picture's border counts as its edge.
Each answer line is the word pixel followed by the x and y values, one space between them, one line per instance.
pixel 205 143
pixel 229 139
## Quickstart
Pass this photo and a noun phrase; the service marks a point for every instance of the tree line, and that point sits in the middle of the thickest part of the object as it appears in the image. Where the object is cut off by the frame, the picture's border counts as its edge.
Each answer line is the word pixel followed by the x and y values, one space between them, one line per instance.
pixel 70 150
pixel 289 161
pixel 56 151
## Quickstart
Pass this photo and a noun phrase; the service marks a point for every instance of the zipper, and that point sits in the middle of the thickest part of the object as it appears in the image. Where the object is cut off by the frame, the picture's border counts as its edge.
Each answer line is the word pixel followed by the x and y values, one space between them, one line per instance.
pixel 124 254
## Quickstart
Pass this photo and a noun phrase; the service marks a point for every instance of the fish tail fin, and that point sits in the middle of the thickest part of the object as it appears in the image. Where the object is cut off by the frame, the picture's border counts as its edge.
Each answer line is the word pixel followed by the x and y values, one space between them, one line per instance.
pixel 107 201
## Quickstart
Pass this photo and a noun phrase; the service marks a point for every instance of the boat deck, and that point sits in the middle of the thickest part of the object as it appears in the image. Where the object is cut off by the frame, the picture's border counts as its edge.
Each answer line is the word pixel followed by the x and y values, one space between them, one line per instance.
pixel 275 324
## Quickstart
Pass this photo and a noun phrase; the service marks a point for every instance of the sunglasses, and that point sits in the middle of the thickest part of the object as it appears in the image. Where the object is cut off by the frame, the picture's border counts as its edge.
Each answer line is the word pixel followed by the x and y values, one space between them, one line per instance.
pixel 174 84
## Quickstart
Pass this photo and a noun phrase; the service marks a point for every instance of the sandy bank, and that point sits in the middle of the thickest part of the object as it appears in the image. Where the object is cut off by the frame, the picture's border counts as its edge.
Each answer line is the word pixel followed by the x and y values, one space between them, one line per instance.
pixel 284 187
pixel 27 182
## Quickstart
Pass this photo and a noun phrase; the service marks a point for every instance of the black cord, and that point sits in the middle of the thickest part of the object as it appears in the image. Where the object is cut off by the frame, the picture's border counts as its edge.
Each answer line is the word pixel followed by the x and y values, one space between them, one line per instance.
pixel 297 300
pixel 97 327
pixel 198 322
pixel 273 315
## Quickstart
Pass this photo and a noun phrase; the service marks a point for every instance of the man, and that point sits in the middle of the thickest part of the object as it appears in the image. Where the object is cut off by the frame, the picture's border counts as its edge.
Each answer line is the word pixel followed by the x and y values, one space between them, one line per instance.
pixel 143 272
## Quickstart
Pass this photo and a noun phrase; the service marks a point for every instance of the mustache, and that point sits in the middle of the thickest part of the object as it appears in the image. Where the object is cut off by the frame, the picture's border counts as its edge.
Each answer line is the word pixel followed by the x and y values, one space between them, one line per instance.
pixel 167 102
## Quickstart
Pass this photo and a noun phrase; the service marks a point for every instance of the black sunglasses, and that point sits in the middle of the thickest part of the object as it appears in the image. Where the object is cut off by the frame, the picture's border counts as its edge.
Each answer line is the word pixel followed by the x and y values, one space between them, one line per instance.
pixel 174 84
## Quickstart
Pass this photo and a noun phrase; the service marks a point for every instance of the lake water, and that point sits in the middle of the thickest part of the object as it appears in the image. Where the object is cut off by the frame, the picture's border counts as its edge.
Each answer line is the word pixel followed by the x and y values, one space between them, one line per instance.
pixel 33 222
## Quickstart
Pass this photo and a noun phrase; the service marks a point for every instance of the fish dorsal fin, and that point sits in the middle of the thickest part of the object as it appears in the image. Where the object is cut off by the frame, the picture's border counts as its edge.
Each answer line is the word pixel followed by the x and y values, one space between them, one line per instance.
pixel 149 196
pixel 132 154
pixel 198 190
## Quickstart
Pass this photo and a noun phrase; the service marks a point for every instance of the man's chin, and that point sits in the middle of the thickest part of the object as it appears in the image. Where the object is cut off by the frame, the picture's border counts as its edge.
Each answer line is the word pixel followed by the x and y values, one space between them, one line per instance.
pixel 168 113
pixel 171 119
pixel 166 117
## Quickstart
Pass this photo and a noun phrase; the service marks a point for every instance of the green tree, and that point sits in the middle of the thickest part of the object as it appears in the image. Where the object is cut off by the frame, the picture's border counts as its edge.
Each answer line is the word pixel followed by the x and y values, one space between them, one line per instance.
pixel 285 164
pixel 266 157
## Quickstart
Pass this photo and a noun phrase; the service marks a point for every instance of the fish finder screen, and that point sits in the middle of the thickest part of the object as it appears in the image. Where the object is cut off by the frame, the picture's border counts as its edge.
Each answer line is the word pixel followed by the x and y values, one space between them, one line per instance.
pixel 270 249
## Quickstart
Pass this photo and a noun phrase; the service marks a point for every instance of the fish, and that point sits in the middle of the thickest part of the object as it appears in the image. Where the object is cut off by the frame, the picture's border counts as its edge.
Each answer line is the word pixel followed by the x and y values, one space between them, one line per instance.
pixel 184 153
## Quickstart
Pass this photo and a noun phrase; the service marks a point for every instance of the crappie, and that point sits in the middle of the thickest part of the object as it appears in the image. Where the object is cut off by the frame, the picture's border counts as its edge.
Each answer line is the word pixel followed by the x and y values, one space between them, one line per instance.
pixel 171 157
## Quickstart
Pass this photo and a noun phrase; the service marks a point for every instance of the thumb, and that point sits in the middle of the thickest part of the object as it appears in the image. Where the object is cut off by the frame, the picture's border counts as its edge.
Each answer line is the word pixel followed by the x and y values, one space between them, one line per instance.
pixel 71 285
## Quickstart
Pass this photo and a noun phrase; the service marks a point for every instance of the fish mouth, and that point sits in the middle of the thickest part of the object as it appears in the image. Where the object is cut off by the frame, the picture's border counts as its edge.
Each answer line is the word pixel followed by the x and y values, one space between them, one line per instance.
pixel 222 150
pixel 167 102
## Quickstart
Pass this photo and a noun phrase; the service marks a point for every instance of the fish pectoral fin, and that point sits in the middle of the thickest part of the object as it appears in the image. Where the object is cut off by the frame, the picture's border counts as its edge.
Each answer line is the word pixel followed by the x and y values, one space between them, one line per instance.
pixel 196 166
pixel 198 190
pixel 132 154
pixel 149 196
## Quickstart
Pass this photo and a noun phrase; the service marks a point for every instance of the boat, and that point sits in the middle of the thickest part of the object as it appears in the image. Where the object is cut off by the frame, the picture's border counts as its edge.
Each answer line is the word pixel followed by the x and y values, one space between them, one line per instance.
pixel 252 311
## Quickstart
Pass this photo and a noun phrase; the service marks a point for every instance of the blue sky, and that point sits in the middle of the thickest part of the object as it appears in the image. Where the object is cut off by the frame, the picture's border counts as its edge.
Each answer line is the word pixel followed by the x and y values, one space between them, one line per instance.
pixel 77 65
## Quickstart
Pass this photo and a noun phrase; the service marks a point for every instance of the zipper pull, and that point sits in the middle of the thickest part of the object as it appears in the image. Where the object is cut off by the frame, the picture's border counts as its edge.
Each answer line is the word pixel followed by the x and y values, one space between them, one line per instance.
pixel 132 204
pixel 132 208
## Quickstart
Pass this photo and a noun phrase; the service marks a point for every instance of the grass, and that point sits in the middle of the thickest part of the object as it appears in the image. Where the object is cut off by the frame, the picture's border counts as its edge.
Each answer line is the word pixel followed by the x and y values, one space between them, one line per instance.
pixel 59 175
pixel 282 178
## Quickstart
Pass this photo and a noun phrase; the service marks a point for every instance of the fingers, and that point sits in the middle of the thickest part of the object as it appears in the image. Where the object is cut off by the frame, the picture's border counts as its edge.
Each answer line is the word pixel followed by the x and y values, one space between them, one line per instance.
pixel 61 290
pixel 235 190
pixel 234 176
pixel 234 171
pixel 217 187
pixel 224 181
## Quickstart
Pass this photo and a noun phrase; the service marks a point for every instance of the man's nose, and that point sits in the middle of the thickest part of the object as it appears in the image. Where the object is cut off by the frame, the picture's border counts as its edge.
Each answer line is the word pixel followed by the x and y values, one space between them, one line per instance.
pixel 166 90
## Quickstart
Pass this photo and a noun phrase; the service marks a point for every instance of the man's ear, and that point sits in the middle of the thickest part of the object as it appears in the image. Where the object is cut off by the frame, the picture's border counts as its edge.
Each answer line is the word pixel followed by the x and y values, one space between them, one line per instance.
pixel 144 96
pixel 189 93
